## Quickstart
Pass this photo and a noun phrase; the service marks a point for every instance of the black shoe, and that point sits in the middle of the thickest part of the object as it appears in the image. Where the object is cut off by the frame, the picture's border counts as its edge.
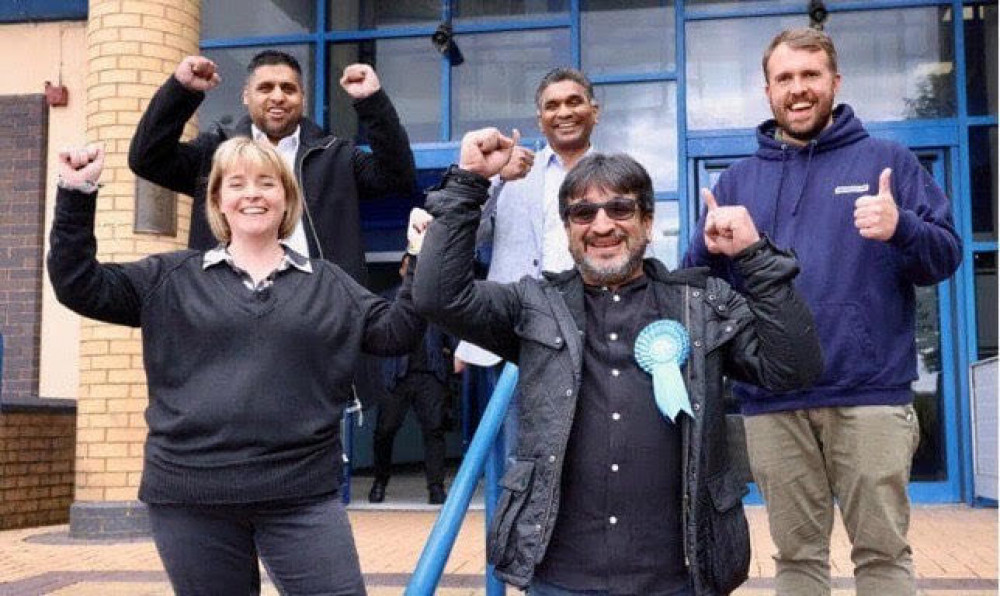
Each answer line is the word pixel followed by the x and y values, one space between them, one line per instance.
pixel 377 493
pixel 436 494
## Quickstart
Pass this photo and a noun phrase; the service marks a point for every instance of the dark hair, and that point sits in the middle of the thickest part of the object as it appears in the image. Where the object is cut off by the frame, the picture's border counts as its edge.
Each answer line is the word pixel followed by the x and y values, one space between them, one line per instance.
pixel 616 172
pixel 557 75
pixel 804 38
pixel 274 58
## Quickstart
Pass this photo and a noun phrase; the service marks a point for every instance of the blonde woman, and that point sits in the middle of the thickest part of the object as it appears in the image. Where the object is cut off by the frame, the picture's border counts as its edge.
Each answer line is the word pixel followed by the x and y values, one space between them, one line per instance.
pixel 249 350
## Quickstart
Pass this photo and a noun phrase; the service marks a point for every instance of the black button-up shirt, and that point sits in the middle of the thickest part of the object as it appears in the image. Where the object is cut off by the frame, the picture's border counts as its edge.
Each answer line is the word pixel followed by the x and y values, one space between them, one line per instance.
pixel 619 524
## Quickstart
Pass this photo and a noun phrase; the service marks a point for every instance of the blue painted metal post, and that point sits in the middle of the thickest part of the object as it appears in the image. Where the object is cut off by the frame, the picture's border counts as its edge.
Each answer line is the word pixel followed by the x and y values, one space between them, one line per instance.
pixel 347 432
pixel 435 554
pixel 491 494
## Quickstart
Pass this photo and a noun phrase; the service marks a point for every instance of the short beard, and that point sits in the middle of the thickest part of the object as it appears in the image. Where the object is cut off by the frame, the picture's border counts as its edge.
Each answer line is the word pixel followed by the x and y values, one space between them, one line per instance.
pixel 611 275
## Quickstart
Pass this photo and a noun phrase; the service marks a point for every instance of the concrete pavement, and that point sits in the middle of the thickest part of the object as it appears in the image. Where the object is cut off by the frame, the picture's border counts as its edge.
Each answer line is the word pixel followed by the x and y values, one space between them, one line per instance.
pixel 955 551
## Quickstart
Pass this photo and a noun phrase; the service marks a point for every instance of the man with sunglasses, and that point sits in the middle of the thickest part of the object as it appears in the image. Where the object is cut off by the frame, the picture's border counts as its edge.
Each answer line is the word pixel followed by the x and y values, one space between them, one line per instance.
pixel 620 482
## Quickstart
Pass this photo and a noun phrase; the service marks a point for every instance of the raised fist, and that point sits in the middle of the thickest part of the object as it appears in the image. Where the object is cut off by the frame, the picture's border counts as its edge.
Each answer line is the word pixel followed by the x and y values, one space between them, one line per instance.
pixel 197 73
pixel 360 81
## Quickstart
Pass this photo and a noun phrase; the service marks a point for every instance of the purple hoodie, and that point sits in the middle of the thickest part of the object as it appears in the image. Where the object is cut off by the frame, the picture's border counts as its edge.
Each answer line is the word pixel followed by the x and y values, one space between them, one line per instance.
pixel 861 291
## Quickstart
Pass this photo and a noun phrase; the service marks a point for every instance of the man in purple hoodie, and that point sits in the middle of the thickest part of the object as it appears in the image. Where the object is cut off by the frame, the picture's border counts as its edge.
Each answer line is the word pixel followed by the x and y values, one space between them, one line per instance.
pixel 867 223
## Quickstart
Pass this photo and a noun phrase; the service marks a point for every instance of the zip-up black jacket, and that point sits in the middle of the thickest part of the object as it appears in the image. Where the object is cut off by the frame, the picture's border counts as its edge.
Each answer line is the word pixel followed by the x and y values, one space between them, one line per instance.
pixel 767 337
pixel 332 171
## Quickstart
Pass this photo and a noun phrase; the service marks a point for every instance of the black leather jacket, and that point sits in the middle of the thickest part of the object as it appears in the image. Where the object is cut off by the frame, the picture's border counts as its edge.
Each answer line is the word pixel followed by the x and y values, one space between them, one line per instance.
pixel 332 171
pixel 767 337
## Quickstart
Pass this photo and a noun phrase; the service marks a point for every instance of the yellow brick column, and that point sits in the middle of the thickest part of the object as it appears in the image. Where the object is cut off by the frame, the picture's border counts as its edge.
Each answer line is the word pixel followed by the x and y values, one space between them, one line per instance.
pixel 132 46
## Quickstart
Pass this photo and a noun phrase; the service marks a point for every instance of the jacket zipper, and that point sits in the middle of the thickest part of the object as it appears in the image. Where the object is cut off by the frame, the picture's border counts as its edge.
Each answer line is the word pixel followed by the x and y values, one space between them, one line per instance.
pixel 305 202
pixel 686 437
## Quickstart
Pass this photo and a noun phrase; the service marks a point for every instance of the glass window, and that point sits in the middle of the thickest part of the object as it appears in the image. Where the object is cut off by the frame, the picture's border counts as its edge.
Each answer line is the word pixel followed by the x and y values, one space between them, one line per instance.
pixel 986 303
pixel 496 84
pixel 896 64
pixel 243 18
pixel 724 5
pixel 725 85
pixel 645 27
pixel 666 230
pixel 409 70
pixel 981 59
pixel 641 119
pixel 508 9
pixel 224 104
pixel 983 166
pixel 376 14
pixel 928 461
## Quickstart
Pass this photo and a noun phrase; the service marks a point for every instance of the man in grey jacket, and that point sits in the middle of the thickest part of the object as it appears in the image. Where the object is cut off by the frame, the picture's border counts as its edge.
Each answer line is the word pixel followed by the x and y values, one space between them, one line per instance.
pixel 620 482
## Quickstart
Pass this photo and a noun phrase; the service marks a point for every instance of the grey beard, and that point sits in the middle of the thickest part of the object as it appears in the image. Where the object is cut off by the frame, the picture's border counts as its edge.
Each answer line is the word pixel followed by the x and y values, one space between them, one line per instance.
pixel 614 275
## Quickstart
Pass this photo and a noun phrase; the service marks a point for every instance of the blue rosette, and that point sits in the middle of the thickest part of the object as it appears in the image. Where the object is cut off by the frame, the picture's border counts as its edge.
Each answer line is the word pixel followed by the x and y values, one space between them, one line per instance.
pixel 660 349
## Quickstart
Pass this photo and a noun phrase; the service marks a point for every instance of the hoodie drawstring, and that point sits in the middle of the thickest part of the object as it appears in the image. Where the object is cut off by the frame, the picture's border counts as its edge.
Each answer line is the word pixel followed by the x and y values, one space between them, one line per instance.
pixel 805 179
pixel 773 230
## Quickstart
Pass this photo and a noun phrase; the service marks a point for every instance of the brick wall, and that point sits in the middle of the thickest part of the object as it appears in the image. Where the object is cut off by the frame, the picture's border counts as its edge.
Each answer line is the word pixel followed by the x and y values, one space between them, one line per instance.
pixel 37 446
pixel 132 46
pixel 23 142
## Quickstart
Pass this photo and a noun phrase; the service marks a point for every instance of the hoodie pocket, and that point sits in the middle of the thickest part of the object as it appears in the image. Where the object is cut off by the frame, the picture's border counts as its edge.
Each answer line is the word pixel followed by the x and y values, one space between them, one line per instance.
pixel 849 355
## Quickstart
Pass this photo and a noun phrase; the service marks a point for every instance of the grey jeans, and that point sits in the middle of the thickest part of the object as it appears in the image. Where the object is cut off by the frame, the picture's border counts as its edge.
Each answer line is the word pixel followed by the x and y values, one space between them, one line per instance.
pixel 307 548
pixel 804 460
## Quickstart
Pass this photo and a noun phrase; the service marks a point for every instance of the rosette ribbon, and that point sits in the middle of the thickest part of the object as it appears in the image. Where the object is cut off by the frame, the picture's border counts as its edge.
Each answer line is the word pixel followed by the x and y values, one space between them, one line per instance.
pixel 660 349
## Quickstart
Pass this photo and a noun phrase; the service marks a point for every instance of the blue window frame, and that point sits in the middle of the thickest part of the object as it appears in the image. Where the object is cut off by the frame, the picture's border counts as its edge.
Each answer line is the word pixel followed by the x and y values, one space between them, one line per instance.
pixel 646 90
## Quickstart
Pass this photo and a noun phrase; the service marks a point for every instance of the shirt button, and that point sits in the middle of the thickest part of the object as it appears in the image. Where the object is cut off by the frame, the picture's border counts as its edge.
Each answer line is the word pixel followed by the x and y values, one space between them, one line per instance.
pixel 569 392
pixel 615 372
pixel 613 336
pixel 711 296
pixel 538 527
pixel 696 293
pixel 614 467
pixel 721 307
pixel 729 328
pixel 552 458
pixel 612 520
pixel 558 340
pixel 616 298
pixel 616 416
pixel 697 343
pixel 696 407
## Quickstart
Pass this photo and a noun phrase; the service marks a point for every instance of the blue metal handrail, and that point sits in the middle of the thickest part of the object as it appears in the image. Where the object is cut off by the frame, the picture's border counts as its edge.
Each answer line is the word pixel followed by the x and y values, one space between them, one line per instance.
pixel 442 538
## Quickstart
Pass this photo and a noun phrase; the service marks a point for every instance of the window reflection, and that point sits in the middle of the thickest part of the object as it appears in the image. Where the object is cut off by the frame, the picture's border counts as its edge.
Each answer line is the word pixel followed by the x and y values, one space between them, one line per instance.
pixel 224 104
pixel 981 59
pixel 897 64
pixel 409 70
pixel 645 27
pixel 986 303
pixel 983 174
pixel 240 18
pixel 496 84
pixel 641 119
pixel 376 14
pixel 928 461
pixel 507 9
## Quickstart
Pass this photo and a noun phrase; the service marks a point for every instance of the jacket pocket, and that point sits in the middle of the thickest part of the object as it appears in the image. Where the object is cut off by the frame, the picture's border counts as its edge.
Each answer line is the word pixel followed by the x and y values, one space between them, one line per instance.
pixel 724 536
pixel 515 483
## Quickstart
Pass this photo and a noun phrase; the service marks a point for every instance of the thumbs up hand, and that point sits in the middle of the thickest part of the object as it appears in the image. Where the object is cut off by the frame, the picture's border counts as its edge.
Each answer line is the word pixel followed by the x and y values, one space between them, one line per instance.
pixel 876 217
pixel 728 230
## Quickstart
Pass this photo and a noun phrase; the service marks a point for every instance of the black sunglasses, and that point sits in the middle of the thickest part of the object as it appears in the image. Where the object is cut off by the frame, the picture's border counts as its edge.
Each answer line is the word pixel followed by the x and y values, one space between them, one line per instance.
pixel 618 208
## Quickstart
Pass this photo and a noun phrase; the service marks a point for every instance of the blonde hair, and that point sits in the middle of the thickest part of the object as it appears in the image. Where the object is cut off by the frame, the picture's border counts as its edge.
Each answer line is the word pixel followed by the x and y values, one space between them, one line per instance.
pixel 246 151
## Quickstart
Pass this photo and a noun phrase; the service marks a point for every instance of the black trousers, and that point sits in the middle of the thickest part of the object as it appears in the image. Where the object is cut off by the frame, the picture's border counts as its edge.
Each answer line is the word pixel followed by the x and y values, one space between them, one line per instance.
pixel 307 548
pixel 428 397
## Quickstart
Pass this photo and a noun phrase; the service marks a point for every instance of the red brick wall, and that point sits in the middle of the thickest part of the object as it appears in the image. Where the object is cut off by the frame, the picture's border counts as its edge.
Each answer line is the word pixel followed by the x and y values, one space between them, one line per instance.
pixel 23 141
pixel 36 467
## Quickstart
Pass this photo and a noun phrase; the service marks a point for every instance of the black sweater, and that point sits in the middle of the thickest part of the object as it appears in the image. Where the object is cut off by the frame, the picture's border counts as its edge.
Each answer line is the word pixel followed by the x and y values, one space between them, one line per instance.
pixel 246 389
pixel 332 171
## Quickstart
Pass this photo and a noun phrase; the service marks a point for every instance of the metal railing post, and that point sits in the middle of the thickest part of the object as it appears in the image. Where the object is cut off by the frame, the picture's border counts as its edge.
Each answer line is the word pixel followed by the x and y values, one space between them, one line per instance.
pixel 442 537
